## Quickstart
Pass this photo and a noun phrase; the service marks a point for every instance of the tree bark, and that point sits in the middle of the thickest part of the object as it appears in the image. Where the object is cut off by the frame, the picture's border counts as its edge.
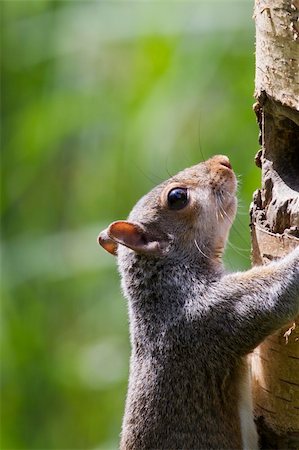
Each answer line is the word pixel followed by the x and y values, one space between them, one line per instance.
pixel 275 212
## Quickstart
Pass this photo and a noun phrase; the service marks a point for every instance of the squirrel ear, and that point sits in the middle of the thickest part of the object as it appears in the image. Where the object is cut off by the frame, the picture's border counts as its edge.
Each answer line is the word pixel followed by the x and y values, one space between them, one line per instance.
pixel 135 237
pixel 107 243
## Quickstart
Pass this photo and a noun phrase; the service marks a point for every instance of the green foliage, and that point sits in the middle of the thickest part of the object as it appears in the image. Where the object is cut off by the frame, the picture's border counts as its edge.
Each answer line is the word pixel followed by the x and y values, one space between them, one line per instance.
pixel 101 101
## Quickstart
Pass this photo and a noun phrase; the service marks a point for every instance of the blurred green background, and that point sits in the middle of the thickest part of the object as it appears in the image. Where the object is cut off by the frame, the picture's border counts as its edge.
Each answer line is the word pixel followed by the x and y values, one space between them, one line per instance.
pixel 100 102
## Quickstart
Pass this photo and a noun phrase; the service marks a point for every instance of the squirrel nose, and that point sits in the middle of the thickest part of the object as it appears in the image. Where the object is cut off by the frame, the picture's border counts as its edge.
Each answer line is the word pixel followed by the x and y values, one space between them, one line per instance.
pixel 223 161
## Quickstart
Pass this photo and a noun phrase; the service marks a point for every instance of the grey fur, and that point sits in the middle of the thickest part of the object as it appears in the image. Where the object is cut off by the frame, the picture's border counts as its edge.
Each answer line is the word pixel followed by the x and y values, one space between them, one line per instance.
pixel 192 324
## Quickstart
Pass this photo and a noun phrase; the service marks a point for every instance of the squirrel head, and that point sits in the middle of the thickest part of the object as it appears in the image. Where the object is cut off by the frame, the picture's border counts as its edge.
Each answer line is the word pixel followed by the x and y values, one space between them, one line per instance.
pixel 190 213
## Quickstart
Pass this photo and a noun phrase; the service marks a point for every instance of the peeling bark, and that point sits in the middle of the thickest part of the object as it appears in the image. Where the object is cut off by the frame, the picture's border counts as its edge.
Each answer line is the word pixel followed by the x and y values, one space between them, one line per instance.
pixel 275 212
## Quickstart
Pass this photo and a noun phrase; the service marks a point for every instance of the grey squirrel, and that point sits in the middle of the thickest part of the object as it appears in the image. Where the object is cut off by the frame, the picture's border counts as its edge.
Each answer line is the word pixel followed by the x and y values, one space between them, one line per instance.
pixel 192 325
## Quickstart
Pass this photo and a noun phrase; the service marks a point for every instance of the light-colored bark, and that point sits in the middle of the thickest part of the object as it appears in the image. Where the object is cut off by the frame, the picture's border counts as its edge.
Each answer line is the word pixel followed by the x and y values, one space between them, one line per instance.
pixel 277 54
pixel 275 211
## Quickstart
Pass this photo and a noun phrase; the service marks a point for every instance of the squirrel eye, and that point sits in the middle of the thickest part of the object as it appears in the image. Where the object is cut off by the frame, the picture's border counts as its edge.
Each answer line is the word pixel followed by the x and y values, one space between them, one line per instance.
pixel 178 198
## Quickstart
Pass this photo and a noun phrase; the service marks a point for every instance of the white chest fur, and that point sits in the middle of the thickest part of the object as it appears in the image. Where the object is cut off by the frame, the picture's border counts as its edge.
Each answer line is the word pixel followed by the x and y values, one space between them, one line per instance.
pixel 248 429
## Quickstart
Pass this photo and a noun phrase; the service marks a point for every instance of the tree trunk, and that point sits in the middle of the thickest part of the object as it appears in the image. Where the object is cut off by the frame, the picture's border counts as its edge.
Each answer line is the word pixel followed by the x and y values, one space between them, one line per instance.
pixel 275 212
